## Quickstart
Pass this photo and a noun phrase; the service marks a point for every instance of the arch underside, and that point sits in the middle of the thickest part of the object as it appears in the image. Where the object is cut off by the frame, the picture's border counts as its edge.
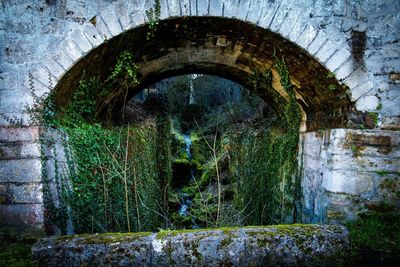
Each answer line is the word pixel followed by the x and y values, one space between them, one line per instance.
pixel 224 47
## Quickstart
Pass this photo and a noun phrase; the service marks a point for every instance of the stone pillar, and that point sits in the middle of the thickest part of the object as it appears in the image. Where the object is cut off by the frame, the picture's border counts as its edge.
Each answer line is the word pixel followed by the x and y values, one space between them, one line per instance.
pixel 21 196
pixel 347 172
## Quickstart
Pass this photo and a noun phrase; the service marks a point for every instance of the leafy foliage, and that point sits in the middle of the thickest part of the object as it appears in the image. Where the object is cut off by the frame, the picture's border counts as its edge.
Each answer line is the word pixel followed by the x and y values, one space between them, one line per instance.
pixel 153 15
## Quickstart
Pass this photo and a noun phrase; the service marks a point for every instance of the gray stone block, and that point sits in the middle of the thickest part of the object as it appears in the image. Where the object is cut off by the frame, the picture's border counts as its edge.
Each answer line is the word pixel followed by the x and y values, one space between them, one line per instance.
pixel 22 216
pixel 216 7
pixel 347 182
pixel 202 8
pixel 317 43
pixel 20 171
pixel 79 38
pixel 27 193
pixel 307 36
pixel 337 59
pixel 185 7
pixel 291 245
pixel 174 8
pixel 27 134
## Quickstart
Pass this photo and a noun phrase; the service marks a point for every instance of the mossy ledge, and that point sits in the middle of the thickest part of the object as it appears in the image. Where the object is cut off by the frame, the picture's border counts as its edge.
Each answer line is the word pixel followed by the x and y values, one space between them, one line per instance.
pixel 278 245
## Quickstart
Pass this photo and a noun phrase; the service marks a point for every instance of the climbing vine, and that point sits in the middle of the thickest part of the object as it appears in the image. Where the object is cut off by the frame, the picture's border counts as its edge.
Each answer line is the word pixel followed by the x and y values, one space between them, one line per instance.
pixel 264 162
pixel 153 16
pixel 111 178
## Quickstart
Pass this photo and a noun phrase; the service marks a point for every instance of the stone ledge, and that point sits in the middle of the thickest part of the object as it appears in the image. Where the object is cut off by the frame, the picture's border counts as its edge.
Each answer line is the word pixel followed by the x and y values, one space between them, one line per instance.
pixel 280 245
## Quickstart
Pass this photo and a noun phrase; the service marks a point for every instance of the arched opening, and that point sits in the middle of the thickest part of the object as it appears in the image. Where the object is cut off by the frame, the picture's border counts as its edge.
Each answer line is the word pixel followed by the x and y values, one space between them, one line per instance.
pixel 111 157
pixel 228 48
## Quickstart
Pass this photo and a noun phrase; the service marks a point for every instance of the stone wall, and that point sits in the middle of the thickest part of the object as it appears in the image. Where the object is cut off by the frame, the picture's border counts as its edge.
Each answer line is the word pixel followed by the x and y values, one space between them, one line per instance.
pixel 348 172
pixel 40 41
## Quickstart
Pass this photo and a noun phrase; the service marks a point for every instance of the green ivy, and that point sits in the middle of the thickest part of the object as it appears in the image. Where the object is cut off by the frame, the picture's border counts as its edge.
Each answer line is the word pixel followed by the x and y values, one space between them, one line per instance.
pixel 153 16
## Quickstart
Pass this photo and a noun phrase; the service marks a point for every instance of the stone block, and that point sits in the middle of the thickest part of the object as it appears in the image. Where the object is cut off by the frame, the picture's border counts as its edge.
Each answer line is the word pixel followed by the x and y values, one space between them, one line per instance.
pixel 307 36
pixel 54 68
pixel 185 7
pixel 102 28
pixel 63 59
pixel 138 18
pixel 216 8
pixel 202 8
pixel 278 19
pixel 25 134
pixel 164 8
pixel 19 150
pixel 317 43
pixel 326 51
pixel 72 49
pixel 344 70
pixel 337 59
pixel 21 216
pixel 174 8
pixel 79 38
pixel 289 22
pixel 357 77
pixel 347 182
pixel 361 89
pixel 255 10
pixel 242 9
pixel 267 16
pixel 298 28
pixel 307 245
pixel 20 171
pixel 111 21
pixel 367 103
pixel 230 8
pixel 122 12
pixel 26 193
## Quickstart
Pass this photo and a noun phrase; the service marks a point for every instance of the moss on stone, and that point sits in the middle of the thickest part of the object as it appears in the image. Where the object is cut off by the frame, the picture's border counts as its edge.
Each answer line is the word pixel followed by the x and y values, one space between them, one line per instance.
pixel 105 238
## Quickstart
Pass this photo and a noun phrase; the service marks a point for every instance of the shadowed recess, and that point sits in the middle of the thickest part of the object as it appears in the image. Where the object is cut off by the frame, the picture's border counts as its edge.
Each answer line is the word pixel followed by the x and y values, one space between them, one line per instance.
pixel 228 48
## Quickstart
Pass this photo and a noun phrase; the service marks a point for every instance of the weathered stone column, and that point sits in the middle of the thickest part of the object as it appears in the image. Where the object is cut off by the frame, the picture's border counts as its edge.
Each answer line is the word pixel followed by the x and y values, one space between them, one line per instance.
pixel 21 197
pixel 349 171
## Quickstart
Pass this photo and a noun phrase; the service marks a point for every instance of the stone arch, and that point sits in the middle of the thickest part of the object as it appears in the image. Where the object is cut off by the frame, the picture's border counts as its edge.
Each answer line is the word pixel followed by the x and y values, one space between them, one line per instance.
pixel 337 185
pixel 324 54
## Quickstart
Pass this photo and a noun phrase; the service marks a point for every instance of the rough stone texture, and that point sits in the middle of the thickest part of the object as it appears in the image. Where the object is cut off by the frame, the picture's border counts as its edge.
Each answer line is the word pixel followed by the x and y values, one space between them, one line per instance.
pixel 349 171
pixel 282 245
pixel 355 40
pixel 56 35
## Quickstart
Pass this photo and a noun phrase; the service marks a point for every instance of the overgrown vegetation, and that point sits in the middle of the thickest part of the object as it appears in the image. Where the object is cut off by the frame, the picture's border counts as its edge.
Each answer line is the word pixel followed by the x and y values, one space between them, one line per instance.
pixel 376 239
pixel 243 155
pixel 114 177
